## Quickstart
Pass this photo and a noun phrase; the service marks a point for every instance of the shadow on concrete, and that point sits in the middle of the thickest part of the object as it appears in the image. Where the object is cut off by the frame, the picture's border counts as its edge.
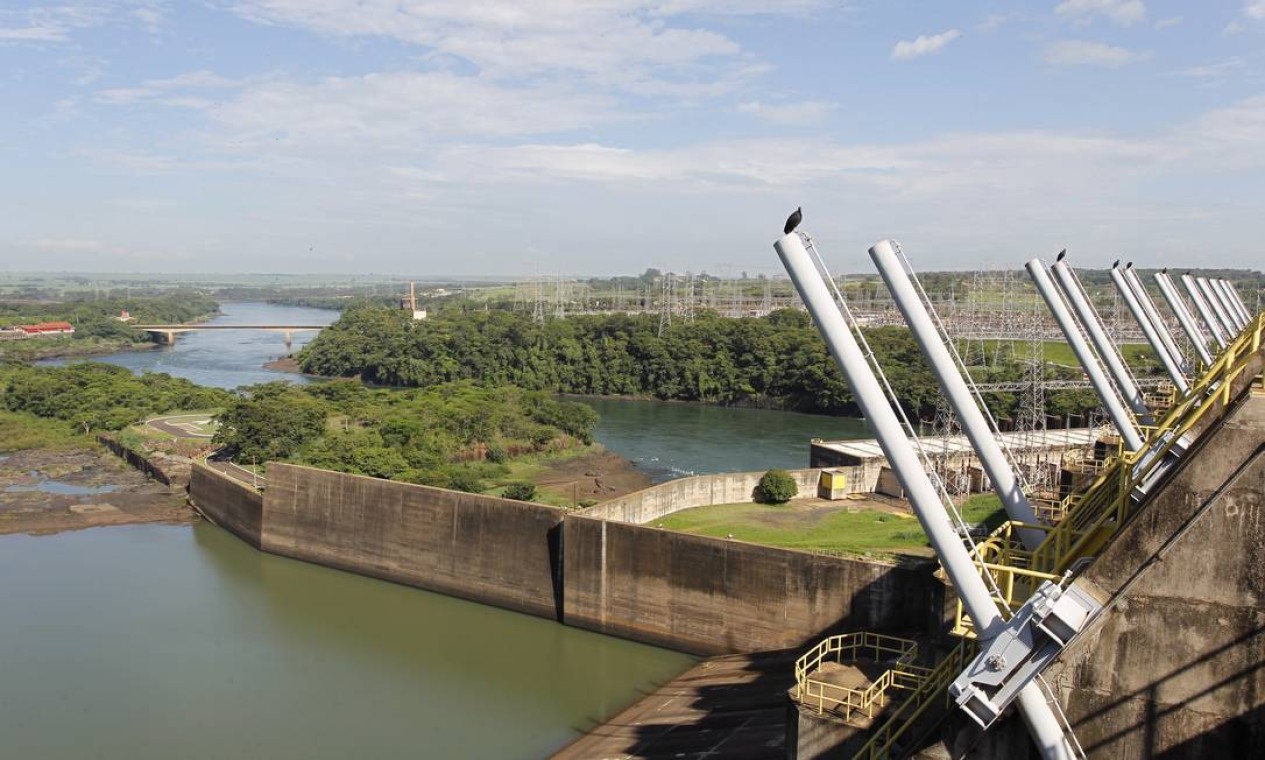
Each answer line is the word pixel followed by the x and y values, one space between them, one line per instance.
pixel 732 707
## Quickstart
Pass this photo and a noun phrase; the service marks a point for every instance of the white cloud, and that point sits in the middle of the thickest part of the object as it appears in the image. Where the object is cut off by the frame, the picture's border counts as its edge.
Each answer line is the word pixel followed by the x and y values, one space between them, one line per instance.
pixel 162 88
pixel 623 44
pixel 62 245
pixel 923 45
pixel 1165 23
pixel 57 23
pixel 1254 10
pixel 1082 53
pixel 804 113
pixel 402 111
pixel 1123 12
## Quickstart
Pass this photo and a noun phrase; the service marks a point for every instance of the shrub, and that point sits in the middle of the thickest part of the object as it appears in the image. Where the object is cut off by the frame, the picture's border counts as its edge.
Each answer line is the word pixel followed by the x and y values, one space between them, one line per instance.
pixel 776 487
pixel 520 491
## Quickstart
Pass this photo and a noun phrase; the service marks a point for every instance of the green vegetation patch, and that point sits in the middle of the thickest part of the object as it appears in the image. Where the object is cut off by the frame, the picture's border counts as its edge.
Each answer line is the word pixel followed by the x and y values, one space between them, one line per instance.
pixel 20 431
pixel 796 526
pixel 464 436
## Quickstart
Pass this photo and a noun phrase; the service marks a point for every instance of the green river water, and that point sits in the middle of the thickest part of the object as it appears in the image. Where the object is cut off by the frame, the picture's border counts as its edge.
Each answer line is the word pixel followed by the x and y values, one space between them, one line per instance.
pixel 183 642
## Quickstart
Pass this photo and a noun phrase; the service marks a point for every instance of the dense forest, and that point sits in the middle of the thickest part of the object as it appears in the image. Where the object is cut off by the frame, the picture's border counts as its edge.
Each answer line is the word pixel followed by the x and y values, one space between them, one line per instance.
pixel 778 360
pixel 91 396
pixel 455 435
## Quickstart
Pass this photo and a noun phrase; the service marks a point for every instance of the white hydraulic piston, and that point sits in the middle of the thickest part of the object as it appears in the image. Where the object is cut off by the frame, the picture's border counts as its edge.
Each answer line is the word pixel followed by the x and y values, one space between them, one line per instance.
pixel 1218 309
pixel 1187 320
pixel 1092 323
pixel 1153 314
pixel 992 458
pixel 1042 723
pixel 1231 308
pixel 1085 355
pixel 1205 311
pixel 1135 308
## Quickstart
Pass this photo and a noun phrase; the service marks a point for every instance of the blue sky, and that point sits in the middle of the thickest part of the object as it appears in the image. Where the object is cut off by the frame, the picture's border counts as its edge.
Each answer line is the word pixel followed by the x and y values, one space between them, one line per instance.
pixel 519 138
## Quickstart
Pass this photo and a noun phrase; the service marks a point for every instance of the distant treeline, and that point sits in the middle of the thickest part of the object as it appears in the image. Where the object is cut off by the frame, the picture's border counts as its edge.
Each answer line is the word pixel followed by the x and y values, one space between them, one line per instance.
pixel 778 360
pixel 97 317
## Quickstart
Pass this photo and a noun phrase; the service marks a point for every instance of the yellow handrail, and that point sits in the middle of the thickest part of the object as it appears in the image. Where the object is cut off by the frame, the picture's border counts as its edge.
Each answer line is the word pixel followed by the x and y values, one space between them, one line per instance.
pixel 933 685
pixel 853 647
pixel 1092 517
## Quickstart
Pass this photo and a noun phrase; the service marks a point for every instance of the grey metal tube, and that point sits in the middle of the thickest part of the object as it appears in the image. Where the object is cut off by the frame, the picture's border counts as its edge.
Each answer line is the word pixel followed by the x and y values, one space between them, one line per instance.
pixel 1092 323
pixel 1238 299
pixel 1231 308
pixel 977 429
pixel 1174 299
pixel 1214 287
pixel 1170 366
pixel 1148 307
pixel 1218 310
pixel 1106 394
pixel 1205 311
pixel 1044 727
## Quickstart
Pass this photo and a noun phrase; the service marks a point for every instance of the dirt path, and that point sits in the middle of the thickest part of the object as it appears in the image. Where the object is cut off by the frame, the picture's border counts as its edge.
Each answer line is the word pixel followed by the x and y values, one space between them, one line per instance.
pixel 594 477
pixel 44 492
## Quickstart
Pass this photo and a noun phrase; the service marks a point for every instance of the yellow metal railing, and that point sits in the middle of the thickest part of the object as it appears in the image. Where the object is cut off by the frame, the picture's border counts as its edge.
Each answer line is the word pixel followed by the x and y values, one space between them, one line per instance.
pixel 856 647
pixel 1091 518
pixel 1088 521
pixel 933 687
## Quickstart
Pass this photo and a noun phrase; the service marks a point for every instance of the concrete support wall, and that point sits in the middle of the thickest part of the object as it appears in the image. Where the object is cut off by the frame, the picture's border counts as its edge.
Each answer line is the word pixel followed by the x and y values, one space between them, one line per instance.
pixel 1176 668
pixel 657 502
pixel 496 551
pixel 233 506
pixel 714 596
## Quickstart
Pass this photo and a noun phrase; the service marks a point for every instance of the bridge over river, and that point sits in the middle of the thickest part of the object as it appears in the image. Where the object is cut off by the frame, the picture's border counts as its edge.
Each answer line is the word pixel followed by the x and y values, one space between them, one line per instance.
pixel 167 333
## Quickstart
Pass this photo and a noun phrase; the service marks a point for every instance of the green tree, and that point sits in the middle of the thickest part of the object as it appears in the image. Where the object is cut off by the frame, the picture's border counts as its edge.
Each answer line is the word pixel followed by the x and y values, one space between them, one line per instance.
pixel 270 421
pixel 776 487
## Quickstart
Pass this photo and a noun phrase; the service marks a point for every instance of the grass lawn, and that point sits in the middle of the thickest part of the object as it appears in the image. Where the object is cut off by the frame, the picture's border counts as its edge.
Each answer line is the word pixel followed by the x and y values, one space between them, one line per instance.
pixel 855 530
pixel 20 431
pixel 1058 352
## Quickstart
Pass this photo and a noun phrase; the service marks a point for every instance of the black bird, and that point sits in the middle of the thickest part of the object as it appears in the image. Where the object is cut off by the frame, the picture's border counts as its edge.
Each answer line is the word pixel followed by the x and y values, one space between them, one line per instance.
pixel 1062 253
pixel 1129 265
pixel 793 220
pixel 1115 263
pixel 1164 270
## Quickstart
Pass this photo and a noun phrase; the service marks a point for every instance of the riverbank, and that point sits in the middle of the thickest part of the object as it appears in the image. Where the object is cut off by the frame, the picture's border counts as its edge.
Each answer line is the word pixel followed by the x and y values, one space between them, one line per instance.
pixel 45 491
pixel 589 478
pixel 43 349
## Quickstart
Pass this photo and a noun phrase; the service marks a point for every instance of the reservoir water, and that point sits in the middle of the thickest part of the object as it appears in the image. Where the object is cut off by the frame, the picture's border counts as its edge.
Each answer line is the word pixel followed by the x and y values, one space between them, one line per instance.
pixel 167 642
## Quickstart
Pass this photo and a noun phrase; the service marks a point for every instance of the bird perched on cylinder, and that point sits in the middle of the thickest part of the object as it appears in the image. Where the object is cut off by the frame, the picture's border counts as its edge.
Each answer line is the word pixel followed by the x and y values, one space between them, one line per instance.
pixel 1062 253
pixel 793 220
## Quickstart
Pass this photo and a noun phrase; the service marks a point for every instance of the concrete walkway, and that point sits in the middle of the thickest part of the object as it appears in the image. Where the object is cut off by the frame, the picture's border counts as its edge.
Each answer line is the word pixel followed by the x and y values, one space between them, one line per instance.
pixel 725 708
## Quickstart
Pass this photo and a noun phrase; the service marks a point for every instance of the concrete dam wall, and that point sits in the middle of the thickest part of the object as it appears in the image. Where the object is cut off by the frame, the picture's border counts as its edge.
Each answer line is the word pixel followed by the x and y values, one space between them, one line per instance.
pixel 714 596
pixel 500 552
pixel 233 506
pixel 693 593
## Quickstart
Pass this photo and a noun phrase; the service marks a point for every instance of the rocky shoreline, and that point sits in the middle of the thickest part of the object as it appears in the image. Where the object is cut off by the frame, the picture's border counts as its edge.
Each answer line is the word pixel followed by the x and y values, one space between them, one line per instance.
pixel 45 491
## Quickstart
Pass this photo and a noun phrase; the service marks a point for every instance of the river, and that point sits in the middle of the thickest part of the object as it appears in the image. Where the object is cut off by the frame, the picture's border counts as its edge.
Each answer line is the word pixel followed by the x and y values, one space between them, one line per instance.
pixel 157 642
pixel 667 440
pixel 162 642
